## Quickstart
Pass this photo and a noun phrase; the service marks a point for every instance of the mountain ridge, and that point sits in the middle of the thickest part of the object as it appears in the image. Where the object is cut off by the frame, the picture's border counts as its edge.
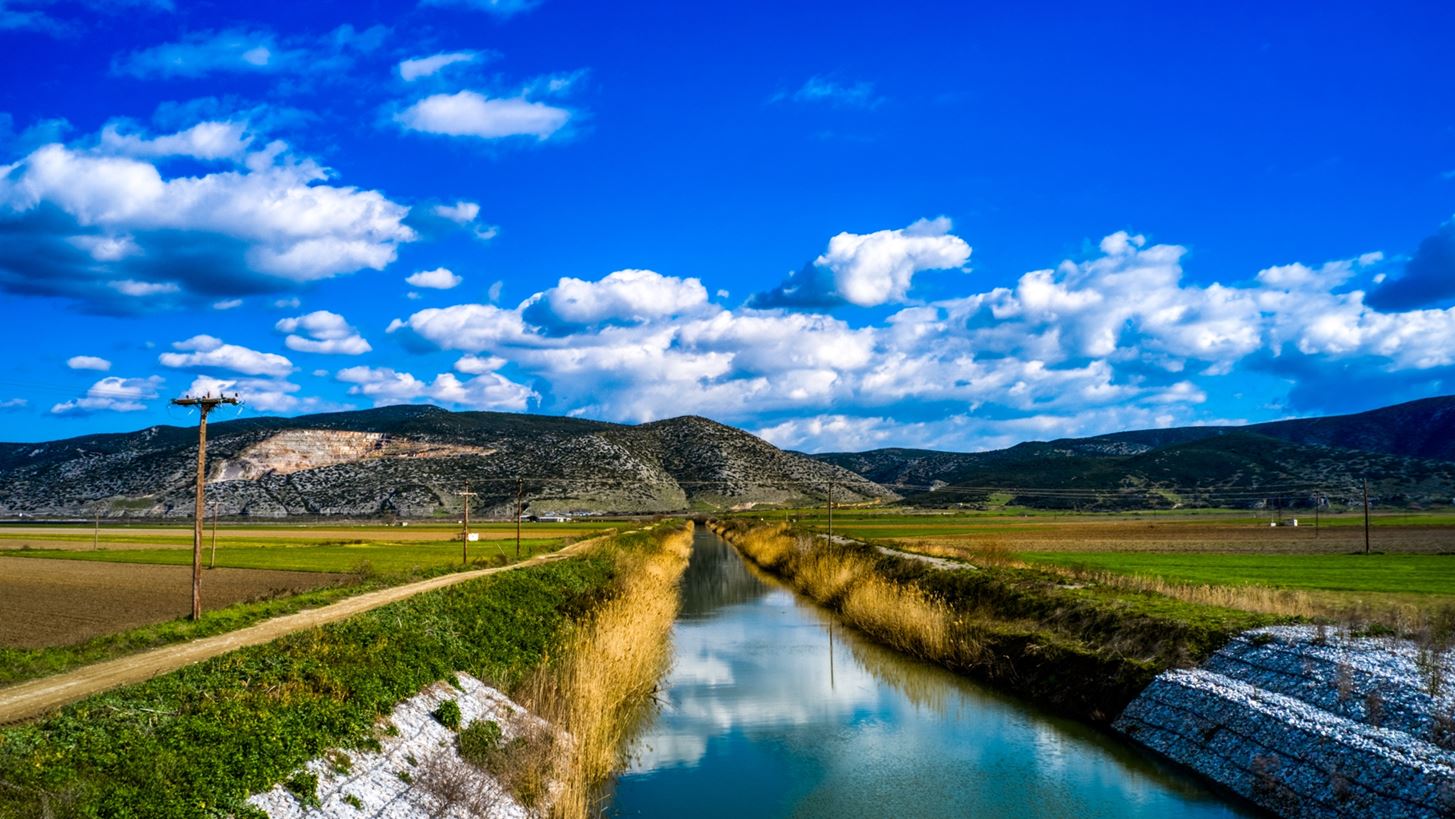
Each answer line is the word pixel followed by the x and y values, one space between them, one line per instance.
pixel 411 460
pixel 1407 451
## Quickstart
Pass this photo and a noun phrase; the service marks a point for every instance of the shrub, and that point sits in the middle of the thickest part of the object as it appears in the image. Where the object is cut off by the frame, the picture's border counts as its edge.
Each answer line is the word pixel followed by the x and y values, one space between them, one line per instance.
pixel 448 714
pixel 304 785
pixel 479 741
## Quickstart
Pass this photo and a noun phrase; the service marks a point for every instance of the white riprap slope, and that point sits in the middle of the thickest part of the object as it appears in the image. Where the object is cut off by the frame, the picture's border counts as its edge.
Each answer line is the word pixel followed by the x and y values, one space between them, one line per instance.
pixel 1310 726
pixel 424 751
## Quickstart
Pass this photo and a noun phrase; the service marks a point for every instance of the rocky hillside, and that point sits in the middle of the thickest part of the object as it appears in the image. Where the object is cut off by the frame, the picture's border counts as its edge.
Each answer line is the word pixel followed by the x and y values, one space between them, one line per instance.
pixel 410 461
pixel 1407 452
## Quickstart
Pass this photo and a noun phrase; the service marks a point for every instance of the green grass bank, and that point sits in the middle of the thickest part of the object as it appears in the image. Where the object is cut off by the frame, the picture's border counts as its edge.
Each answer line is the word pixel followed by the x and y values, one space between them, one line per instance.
pixel 198 741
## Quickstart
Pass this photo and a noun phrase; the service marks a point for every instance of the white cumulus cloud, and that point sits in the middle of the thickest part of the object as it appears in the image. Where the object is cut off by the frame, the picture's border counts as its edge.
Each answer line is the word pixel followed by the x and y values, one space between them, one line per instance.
pixel 461 212
pixel 441 278
pixel 467 113
pixel 324 332
pixel 417 67
pixel 205 140
pixel 878 267
pixel 88 362
pixel 264 394
pixel 252 51
pixel 626 295
pixel 871 269
pixel 467 327
pixel 488 391
pixel 112 394
pixel 207 351
pixel 92 224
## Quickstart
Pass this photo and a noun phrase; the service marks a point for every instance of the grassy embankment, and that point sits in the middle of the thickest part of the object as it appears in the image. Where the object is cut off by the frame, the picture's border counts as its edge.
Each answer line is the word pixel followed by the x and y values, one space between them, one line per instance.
pixel 396 564
pixel 1085 650
pixel 1232 560
pixel 198 741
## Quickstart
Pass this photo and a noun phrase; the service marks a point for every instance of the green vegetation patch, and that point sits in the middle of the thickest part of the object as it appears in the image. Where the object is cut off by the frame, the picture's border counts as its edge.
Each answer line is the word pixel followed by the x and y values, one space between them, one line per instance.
pixel 1394 573
pixel 198 741
pixel 386 558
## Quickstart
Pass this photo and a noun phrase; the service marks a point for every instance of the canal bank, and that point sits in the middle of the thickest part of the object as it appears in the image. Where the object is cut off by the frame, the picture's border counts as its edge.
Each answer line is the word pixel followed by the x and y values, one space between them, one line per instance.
pixel 772 710
pixel 1296 720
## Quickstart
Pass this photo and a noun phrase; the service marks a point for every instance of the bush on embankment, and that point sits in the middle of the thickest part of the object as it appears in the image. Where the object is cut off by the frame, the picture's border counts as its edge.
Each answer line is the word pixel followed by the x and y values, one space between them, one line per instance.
pixel 198 741
pixel 1086 650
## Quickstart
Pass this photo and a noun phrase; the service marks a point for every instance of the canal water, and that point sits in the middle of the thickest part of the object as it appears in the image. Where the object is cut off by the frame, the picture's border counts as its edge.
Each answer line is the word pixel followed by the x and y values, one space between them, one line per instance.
pixel 770 710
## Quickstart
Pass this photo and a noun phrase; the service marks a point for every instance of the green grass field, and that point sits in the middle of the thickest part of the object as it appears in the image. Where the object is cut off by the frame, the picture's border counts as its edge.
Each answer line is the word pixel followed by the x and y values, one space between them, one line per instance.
pixel 265 534
pixel 1414 559
pixel 379 558
pixel 893 523
pixel 1383 573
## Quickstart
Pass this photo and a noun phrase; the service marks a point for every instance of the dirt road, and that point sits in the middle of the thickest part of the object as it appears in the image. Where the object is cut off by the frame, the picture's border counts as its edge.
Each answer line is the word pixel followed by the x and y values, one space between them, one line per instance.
pixel 32 699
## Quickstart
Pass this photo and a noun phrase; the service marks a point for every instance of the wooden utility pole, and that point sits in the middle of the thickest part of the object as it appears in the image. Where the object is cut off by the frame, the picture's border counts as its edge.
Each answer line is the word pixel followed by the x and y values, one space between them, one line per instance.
pixel 831 519
pixel 518 488
pixel 1318 501
pixel 96 533
pixel 212 561
pixel 465 534
pixel 1366 516
pixel 205 404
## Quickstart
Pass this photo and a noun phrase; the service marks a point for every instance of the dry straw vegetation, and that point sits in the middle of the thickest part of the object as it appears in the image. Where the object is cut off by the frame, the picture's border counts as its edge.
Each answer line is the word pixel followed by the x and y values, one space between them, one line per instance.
pixel 607 675
pixel 1083 650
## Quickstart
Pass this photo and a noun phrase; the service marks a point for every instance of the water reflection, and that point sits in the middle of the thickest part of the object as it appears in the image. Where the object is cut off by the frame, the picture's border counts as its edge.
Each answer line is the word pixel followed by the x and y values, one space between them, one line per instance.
pixel 758 722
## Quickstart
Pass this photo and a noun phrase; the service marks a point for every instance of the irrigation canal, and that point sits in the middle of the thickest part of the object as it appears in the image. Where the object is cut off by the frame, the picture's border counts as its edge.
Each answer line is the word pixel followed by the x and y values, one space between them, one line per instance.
pixel 770 710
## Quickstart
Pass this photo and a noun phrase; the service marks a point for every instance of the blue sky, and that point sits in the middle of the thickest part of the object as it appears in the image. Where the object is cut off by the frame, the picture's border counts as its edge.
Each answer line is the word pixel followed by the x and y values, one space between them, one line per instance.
pixel 838 225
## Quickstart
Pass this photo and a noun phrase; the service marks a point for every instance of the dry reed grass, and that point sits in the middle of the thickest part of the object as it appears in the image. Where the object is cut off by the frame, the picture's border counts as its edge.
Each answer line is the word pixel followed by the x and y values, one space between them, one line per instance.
pixel 608 673
pixel 902 616
pixel 976 553
pixel 768 546
pixel 827 576
pixel 899 615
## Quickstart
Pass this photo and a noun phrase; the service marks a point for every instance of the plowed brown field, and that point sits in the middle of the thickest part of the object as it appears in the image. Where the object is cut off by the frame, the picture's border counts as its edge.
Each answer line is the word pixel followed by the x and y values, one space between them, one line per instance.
pixel 59 602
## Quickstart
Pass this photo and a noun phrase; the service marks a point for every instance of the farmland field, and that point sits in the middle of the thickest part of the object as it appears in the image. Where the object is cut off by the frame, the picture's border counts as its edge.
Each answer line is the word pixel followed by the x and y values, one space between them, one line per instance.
pixel 56 589
pixel 374 549
pixel 1413 559
pixel 1206 532
pixel 1406 574
pixel 127 536
pixel 53 602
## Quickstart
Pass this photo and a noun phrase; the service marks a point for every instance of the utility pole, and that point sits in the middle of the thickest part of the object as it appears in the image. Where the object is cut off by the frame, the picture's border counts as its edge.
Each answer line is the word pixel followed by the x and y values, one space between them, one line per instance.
pixel 1318 501
pixel 517 518
pixel 831 518
pixel 1366 516
pixel 212 561
pixel 205 404
pixel 96 533
pixel 465 534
